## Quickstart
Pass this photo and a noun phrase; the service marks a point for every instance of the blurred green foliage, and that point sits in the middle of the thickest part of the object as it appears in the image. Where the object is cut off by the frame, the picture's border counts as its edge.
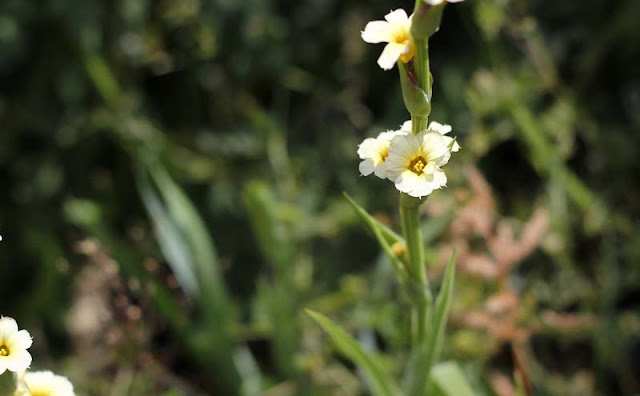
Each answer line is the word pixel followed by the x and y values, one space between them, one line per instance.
pixel 203 147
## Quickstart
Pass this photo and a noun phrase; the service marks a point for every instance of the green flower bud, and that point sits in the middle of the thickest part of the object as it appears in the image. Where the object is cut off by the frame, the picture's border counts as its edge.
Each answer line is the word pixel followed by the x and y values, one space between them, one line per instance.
pixel 416 100
pixel 426 20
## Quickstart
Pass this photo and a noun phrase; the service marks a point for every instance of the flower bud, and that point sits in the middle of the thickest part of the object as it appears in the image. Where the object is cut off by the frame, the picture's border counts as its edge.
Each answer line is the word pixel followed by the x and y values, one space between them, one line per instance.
pixel 416 100
pixel 426 20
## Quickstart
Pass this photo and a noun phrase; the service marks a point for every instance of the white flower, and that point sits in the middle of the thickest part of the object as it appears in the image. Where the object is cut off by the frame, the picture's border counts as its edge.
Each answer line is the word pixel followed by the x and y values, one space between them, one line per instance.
pixel 437 2
pixel 44 383
pixel 442 129
pixel 374 152
pixel 13 346
pixel 414 162
pixel 394 31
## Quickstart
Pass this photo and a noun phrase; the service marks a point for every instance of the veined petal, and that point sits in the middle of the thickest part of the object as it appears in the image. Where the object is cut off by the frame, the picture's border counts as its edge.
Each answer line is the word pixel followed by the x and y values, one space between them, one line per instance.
pixel 397 16
pixel 405 147
pixel 435 147
pixel 408 182
pixel 377 32
pixel 390 55
pixel 381 170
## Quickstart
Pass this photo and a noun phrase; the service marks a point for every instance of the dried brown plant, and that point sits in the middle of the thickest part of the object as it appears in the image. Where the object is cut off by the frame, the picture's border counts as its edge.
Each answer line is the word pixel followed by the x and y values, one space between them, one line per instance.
pixel 502 314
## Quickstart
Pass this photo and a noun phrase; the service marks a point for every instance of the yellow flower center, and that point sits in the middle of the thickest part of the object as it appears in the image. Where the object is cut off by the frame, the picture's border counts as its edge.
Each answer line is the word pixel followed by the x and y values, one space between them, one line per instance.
pixel 4 350
pixel 40 393
pixel 384 154
pixel 403 37
pixel 417 165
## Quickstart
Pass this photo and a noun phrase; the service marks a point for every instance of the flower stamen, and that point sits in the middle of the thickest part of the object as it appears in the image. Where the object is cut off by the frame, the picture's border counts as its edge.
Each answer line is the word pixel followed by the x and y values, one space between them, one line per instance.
pixel 4 351
pixel 417 165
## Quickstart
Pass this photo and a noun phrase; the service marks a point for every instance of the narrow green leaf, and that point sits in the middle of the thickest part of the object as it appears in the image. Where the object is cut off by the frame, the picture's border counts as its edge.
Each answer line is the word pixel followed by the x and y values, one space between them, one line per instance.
pixel 205 259
pixel 417 378
pixel 443 306
pixel 249 371
pixel 448 380
pixel 383 234
pixel 171 242
pixel 382 384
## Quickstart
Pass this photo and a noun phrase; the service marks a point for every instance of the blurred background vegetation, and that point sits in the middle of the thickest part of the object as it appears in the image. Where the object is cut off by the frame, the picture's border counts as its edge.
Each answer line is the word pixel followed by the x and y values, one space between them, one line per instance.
pixel 172 176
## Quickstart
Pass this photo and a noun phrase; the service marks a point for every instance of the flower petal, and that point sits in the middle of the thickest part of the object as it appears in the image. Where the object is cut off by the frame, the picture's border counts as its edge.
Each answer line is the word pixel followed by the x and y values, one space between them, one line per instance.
pixel 377 32
pixel 435 147
pixel 408 182
pixel 390 55
pixel 442 129
pixel 20 340
pixel 18 361
pixel 439 178
pixel 397 16
pixel 366 167
pixel 381 170
pixel 8 326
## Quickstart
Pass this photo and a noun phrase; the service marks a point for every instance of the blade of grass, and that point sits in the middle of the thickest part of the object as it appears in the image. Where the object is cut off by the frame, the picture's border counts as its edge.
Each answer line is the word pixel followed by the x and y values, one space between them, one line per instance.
pixel 170 240
pixel 381 383
pixel 448 380
pixel 385 237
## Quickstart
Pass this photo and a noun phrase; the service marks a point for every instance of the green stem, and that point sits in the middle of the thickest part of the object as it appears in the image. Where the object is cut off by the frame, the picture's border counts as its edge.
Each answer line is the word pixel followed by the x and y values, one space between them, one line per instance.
pixel 413 235
pixel 418 124
pixel 418 285
pixel 421 64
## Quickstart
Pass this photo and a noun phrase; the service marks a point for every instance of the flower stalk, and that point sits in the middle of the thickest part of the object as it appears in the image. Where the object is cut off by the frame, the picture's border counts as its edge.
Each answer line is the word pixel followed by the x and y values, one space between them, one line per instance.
pixel 419 293
pixel 418 286
pixel 412 158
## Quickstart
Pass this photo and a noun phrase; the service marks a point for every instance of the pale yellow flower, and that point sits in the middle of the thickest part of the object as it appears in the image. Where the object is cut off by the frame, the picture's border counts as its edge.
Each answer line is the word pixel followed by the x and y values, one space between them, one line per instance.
pixel 415 161
pixel 13 346
pixel 44 383
pixel 374 152
pixel 394 30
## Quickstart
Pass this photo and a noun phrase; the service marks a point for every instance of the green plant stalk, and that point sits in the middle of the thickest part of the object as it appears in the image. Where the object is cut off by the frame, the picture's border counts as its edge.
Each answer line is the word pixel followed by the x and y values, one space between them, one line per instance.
pixel 418 285
pixel 421 65
pixel 421 58
pixel 418 124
